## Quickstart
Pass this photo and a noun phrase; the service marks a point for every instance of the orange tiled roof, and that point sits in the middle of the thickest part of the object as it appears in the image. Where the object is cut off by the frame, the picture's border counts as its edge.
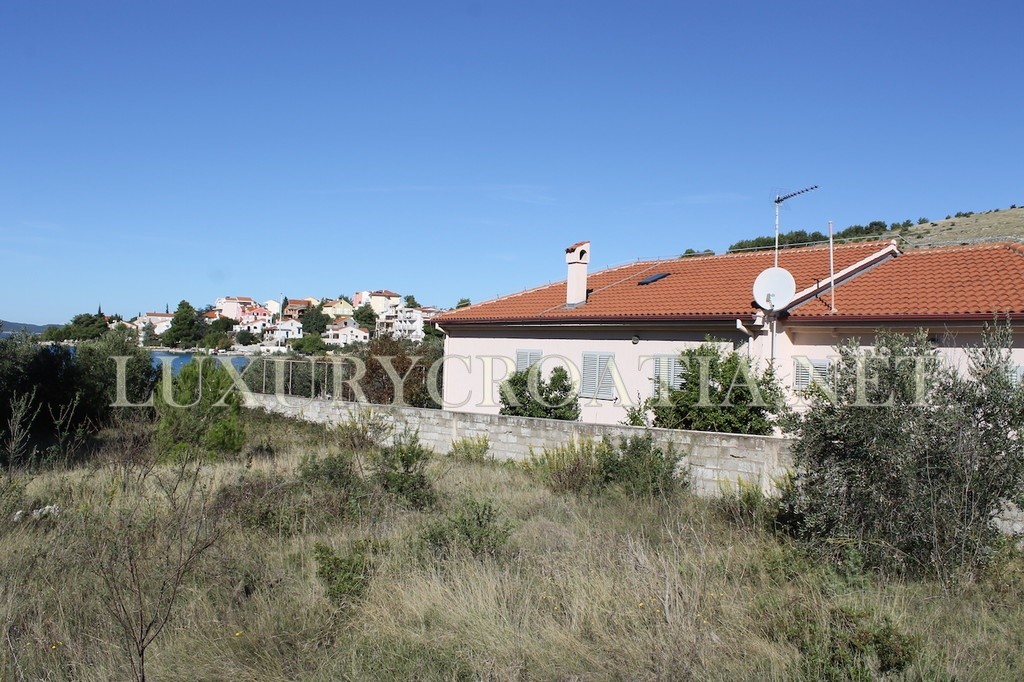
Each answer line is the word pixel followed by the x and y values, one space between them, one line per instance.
pixel 697 288
pixel 978 281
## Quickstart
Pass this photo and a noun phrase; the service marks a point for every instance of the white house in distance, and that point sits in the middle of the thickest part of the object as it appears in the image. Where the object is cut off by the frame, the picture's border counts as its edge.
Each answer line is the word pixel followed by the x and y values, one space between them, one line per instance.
pixel 379 300
pixel 161 322
pixel 283 330
pixel 343 331
pixel 404 322
pixel 617 329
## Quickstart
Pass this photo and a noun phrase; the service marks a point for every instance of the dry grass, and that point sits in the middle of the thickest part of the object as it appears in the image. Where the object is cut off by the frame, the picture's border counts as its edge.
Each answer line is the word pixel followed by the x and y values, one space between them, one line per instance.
pixel 585 588
pixel 993 225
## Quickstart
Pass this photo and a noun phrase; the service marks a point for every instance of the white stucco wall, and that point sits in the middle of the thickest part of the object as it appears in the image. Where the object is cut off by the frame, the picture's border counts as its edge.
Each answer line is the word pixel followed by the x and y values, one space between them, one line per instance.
pixel 477 365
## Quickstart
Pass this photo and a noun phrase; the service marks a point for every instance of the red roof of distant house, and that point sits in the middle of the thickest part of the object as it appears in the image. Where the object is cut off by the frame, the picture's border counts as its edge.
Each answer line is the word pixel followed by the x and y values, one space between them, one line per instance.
pixel 977 281
pixel 384 292
pixel 159 315
pixel 695 288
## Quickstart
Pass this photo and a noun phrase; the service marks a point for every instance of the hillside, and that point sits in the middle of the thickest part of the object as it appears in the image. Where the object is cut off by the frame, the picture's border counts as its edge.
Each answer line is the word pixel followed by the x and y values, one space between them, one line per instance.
pixel 11 327
pixel 991 225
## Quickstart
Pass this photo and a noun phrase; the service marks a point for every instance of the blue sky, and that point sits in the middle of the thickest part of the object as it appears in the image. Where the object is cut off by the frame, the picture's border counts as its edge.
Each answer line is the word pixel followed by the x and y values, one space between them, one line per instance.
pixel 160 150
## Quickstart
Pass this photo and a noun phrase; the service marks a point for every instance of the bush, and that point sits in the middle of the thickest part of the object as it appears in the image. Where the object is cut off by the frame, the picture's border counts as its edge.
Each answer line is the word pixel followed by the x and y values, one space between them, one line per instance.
pixel 527 394
pixel 475 525
pixel 746 506
pixel 841 643
pixel 400 469
pixel 637 467
pixel 345 576
pixel 719 391
pixel 365 431
pixel 470 449
pixel 203 413
pixel 569 468
pixel 910 468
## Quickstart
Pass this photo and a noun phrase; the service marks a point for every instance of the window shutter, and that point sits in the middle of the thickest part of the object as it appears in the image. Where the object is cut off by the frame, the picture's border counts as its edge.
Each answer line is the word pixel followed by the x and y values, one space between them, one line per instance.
pixel 804 370
pixel 526 359
pixel 596 379
pixel 667 369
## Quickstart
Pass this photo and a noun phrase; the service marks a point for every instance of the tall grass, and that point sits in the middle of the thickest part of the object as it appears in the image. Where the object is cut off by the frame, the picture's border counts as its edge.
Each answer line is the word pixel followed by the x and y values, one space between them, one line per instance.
pixel 528 583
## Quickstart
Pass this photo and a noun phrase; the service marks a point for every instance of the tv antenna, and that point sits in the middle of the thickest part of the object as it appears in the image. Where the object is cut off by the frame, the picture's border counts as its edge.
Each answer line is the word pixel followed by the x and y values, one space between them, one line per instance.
pixel 778 202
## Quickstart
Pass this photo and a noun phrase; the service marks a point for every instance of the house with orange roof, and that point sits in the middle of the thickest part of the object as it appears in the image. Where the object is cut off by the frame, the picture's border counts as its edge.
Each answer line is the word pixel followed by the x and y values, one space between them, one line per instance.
pixel 619 329
pixel 379 300
pixel 295 308
pixel 337 308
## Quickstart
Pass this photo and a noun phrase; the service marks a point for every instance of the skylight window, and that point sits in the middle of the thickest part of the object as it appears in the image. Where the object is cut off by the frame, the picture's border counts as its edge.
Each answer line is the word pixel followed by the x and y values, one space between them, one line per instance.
pixel 653 278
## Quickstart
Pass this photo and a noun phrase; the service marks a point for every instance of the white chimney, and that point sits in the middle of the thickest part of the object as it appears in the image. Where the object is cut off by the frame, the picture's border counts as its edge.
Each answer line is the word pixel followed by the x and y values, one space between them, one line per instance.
pixel 577 257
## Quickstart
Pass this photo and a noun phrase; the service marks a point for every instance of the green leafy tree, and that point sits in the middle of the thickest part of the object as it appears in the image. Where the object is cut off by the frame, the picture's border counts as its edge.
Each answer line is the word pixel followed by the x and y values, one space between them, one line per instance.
pixel 906 467
pixel 309 345
pixel 186 328
pixel 246 338
pixel 198 413
pixel 411 302
pixel 314 321
pixel 149 335
pixel 365 317
pixel 81 328
pixel 527 394
pixel 222 324
pixel 719 391
pixel 463 303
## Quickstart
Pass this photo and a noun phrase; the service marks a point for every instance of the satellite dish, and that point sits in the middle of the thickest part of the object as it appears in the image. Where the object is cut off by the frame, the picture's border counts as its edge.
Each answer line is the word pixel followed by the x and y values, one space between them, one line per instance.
pixel 774 288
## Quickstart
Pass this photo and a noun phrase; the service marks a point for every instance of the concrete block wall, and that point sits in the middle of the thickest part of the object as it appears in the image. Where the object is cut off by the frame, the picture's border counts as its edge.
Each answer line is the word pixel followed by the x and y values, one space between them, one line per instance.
pixel 716 461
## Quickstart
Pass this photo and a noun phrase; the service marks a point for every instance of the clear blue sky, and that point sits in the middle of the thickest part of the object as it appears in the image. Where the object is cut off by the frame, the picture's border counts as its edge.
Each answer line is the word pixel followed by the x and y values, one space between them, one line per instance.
pixel 160 150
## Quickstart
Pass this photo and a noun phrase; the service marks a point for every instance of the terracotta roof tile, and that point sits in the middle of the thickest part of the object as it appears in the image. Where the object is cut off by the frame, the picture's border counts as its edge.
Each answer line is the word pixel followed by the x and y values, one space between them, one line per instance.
pixel 962 281
pixel 697 287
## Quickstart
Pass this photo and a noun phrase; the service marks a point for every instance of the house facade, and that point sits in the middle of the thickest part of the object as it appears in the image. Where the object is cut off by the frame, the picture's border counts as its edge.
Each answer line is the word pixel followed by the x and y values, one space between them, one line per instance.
pixel 283 331
pixel 619 329
pixel 379 300
pixel 234 307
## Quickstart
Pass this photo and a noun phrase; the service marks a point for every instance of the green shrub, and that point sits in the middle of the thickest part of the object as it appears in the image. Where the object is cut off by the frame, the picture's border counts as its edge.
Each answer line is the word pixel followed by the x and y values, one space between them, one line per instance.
pixel 639 467
pixel 345 576
pixel 636 466
pixel 364 431
pixel 719 392
pixel 746 506
pixel 200 409
pixel 474 524
pixel 470 449
pixel 528 394
pixel 840 643
pixel 910 467
pixel 400 469
pixel 568 468
pixel 336 471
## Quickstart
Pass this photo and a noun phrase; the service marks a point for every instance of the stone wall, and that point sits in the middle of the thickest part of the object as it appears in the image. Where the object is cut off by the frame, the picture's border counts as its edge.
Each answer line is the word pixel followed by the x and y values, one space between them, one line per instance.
pixel 716 460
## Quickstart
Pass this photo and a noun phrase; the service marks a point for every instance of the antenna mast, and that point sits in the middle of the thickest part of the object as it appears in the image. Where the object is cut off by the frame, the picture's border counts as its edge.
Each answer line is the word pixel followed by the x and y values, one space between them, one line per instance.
pixel 778 202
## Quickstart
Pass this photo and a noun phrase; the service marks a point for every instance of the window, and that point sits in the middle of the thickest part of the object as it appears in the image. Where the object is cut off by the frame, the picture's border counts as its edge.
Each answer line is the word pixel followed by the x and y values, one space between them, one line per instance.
pixel 803 369
pixel 1017 375
pixel 596 377
pixel 526 359
pixel 666 371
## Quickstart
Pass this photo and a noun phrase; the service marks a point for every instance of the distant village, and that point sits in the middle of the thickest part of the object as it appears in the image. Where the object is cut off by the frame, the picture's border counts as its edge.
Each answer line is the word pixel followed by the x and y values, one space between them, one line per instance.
pixel 272 323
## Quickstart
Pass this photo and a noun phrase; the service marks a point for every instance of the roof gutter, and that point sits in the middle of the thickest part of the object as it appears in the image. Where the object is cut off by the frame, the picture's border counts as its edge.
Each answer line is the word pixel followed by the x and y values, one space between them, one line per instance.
pixel 833 320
